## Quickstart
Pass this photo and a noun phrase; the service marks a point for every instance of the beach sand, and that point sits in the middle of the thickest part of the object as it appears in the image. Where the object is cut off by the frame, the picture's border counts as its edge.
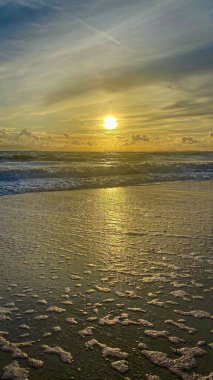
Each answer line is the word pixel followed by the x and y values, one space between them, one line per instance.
pixel 98 284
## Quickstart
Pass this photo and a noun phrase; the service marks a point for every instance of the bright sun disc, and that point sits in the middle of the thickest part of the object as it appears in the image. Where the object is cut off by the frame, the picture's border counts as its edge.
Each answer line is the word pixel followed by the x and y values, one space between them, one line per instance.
pixel 110 122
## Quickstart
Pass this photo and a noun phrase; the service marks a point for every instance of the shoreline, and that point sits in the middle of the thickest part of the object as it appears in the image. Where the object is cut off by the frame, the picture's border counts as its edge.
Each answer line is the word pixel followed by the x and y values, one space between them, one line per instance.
pixel 111 187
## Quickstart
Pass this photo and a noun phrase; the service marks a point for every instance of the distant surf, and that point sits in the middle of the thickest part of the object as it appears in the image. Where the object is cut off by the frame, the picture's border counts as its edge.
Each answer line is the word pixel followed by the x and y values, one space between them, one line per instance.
pixel 23 172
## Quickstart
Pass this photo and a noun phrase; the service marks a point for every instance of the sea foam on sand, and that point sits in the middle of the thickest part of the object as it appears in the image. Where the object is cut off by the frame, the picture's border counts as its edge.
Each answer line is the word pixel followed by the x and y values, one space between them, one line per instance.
pixel 98 283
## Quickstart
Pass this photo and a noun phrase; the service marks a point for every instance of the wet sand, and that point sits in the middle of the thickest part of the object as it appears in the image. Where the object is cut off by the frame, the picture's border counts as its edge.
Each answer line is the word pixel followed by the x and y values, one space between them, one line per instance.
pixel 107 283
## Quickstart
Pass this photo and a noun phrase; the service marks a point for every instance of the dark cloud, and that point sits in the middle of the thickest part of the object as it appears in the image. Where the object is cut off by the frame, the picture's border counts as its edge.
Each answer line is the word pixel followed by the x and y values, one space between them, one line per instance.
pixel 26 134
pixel 66 135
pixel 137 137
pixel 133 139
pixel 168 70
pixel 189 140
pixel 3 134
pixel 195 106
pixel 24 137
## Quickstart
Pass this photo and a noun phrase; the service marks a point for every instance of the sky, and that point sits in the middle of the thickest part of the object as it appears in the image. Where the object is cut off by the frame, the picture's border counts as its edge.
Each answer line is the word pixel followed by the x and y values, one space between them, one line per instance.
pixel 66 64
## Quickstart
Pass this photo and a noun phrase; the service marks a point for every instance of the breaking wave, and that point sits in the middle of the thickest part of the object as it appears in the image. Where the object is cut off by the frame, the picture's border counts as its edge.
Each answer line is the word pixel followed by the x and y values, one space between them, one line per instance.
pixel 22 172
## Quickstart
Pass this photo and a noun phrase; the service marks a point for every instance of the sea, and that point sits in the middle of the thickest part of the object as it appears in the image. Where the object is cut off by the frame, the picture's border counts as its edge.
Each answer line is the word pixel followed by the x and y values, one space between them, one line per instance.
pixel 25 172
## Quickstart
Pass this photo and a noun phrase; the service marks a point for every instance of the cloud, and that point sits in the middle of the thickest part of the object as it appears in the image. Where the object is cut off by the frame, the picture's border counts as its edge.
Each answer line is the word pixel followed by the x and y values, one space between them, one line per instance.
pixel 137 137
pixel 189 140
pixel 27 135
pixel 149 62
pixel 3 134
pixel 66 135
pixel 23 3
pixel 167 70
pixel 19 14
pixel 134 139
pixel 24 138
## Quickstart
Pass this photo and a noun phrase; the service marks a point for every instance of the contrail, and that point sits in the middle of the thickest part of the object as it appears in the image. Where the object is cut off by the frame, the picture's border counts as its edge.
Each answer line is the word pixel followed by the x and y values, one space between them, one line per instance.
pixel 104 34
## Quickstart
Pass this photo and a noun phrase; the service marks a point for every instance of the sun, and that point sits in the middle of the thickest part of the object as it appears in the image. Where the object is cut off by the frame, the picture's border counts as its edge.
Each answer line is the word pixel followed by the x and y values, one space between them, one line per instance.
pixel 110 122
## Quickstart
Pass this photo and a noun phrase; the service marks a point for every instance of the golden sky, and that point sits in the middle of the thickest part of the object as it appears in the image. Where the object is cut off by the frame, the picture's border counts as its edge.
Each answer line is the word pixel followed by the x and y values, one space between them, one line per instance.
pixel 66 64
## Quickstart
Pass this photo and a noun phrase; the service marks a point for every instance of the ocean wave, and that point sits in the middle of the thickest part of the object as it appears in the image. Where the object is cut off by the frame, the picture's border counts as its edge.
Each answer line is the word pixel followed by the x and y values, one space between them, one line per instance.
pixel 43 171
